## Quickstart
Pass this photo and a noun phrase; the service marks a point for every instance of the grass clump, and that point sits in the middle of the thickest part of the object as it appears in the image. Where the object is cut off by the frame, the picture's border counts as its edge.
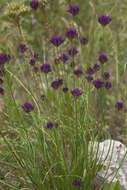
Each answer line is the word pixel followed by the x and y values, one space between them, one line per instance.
pixel 57 88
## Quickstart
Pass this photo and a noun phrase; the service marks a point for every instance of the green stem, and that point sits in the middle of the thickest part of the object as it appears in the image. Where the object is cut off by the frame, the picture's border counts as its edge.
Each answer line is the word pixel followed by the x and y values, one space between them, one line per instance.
pixel 28 91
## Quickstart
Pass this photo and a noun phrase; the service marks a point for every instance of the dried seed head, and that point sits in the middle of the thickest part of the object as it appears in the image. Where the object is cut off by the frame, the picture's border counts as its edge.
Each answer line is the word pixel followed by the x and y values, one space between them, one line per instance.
pixel 15 10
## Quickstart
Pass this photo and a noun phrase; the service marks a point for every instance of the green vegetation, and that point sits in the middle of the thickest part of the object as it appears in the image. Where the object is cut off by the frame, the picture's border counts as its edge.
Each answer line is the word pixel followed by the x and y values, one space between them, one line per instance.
pixel 51 103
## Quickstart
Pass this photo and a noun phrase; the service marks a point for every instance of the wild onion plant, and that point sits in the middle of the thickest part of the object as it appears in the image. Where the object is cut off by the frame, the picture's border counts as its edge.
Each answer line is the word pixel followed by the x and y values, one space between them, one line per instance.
pixel 55 99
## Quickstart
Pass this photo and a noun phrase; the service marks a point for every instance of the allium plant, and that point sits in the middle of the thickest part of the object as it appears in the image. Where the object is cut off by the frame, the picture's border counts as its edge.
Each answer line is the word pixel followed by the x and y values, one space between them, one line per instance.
pixel 57 40
pixel 104 20
pixel 49 125
pixel 103 58
pixel 71 33
pixel 119 105
pixel 22 48
pixel 84 41
pixel 73 9
pixel 34 4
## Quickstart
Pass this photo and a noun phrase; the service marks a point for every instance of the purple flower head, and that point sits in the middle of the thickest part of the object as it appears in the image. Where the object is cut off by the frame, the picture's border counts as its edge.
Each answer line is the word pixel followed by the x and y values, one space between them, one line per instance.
pixel 4 58
pixel 108 85
pixel 57 40
pixel 106 75
pixel 71 33
pixel 98 83
pixel 55 84
pixel 84 41
pixel 32 62
pixel 103 58
pixel 78 72
pixel 119 105
pixel 76 92
pixel 2 91
pixel 77 182
pixel 89 78
pixel 72 51
pixel 2 72
pixel 65 89
pixel 89 71
pixel 35 68
pixel 73 9
pixel 36 55
pixel 27 107
pixel 1 81
pixel 96 67
pixel 104 20
pixel 64 57
pixel 22 48
pixel 49 124
pixel 45 68
pixel 34 4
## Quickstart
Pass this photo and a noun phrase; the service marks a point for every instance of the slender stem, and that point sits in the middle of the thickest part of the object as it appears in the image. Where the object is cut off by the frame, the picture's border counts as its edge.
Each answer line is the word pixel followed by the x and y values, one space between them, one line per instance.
pixel 27 90
pixel 22 36
pixel 69 2
pixel 117 63
pixel 48 28
pixel 20 31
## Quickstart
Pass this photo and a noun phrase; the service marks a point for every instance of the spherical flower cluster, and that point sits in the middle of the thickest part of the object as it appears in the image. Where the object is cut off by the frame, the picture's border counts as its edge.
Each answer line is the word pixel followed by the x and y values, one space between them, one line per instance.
pixel 57 40
pixel 76 92
pixel 71 33
pixel 89 78
pixel 104 20
pixel 45 68
pixel 84 41
pixel 65 89
pixel 22 48
pixel 96 67
pixel 119 105
pixel 32 62
pixel 73 9
pixel 4 58
pixel 34 4
pixel 27 107
pixel 55 84
pixel 108 85
pixel 77 182
pixel 72 51
pixel 106 75
pixel 103 58
pixel 78 72
pixel 49 124
pixel 89 71
pixel 98 83
pixel 64 57
pixel 2 91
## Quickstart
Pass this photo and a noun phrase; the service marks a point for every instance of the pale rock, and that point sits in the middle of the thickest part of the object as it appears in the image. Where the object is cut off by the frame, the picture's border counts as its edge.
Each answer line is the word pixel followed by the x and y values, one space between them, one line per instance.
pixel 113 155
